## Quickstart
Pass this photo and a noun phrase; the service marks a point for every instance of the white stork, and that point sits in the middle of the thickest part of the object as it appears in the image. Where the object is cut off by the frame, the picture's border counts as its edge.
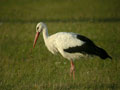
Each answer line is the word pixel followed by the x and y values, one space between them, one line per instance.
pixel 70 45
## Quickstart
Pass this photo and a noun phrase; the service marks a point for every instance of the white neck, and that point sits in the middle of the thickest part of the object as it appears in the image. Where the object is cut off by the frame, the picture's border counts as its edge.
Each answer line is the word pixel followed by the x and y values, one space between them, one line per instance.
pixel 45 34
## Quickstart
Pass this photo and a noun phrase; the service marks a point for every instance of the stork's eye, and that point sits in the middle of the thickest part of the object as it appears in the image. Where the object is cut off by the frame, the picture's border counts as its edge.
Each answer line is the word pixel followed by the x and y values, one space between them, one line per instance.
pixel 37 28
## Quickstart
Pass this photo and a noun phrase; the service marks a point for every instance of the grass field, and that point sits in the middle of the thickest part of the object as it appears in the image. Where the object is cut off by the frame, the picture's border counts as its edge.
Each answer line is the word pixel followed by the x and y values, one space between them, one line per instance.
pixel 25 68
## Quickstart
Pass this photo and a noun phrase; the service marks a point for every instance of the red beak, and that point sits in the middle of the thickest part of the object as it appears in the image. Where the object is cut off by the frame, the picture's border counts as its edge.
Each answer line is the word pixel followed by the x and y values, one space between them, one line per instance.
pixel 36 38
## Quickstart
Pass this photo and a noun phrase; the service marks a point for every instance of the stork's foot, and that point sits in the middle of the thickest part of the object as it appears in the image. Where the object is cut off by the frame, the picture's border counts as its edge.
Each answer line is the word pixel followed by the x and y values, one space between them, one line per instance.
pixel 72 70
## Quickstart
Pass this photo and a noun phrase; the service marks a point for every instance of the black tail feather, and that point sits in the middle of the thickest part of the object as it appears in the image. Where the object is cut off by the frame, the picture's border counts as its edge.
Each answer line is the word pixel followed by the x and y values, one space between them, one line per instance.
pixel 110 57
pixel 102 53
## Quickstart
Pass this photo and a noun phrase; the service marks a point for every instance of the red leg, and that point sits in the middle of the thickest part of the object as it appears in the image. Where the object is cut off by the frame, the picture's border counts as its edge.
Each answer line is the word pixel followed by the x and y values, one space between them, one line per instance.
pixel 72 69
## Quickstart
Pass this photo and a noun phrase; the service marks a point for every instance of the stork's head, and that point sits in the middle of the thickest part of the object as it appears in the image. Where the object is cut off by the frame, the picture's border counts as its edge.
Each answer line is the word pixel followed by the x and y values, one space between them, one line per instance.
pixel 39 28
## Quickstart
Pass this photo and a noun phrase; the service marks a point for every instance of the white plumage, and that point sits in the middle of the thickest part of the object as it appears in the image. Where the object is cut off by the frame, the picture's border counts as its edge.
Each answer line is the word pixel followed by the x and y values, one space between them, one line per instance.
pixel 62 40
pixel 70 45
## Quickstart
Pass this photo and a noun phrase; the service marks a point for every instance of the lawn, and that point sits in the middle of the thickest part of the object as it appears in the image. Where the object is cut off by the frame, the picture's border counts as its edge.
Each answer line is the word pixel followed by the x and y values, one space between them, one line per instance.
pixel 25 68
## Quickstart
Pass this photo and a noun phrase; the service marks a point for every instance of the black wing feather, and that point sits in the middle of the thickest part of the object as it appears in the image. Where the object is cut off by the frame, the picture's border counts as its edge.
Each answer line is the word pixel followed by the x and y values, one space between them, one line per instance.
pixel 88 48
